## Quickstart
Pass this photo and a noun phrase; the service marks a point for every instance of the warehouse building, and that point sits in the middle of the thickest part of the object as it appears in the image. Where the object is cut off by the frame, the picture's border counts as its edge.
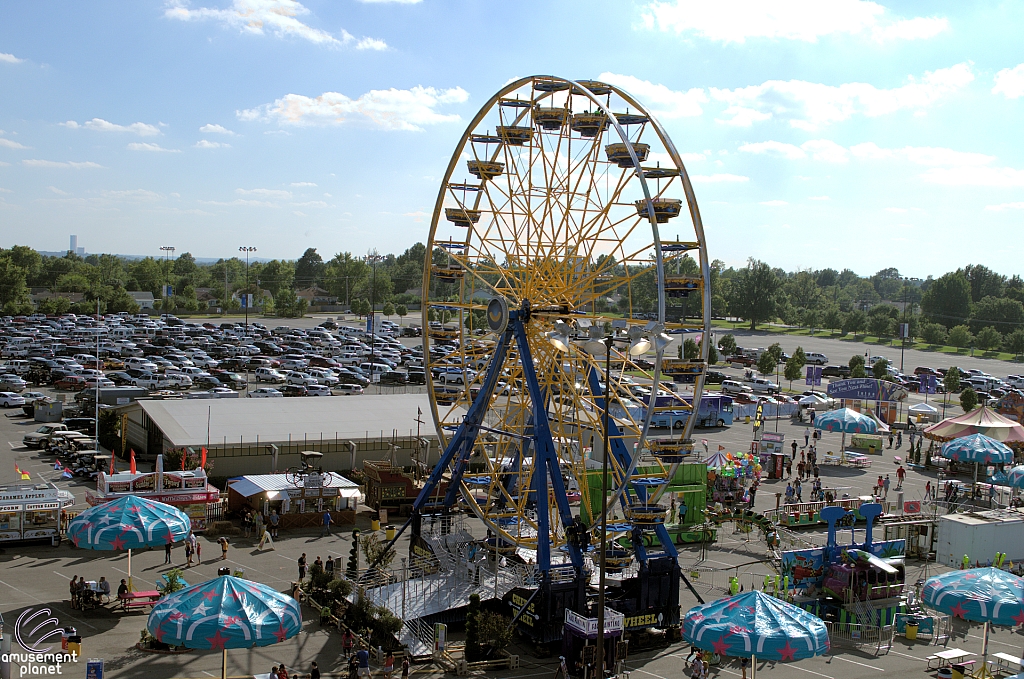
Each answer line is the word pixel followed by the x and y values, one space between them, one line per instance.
pixel 261 436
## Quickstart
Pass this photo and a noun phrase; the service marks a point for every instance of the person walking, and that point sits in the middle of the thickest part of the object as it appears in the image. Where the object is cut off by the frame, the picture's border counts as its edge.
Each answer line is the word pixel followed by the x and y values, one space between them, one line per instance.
pixel 223 548
pixel 389 665
pixel 798 489
pixel 363 660
pixel 753 493
pixel 329 566
pixel 327 521
pixel 302 566
pixel 188 553
pixel 347 639
pixel 167 552
pixel 199 550
pixel 807 436
pixel 885 488
pixel 794 449
pixel 878 485
pixel 275 519
pixel 890 439
pixel 789 467
pixel 405 668
pixel 800 469
pixel 314 670
pixel 899 439
pixel 927 490
pixel 901 474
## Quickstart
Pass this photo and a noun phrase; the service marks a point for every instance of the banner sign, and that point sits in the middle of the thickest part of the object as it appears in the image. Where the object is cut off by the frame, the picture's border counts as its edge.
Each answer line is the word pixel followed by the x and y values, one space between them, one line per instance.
pixel 866 389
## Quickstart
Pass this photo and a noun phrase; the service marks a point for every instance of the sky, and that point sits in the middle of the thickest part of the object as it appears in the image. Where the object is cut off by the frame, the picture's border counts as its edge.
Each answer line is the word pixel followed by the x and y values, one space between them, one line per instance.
pixel 818 133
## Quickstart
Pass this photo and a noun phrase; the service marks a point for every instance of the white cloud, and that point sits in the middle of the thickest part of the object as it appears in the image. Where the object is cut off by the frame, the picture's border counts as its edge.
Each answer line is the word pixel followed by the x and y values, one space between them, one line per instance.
pixel 145 146
pixel 265 193
pixel 10 58
pixel 397 2
pixel 818 149
pixel 663 102
pixel 717 178
pixel 312 203
pixel 132 194
pixel 389 109
pixel 100 125
pixel 7 143
pixel 239 201
pixel 277 16
pixel 57 164
pixel 418 216
pixel 3 190
pixel 1003 177
pixel 54 189
pixel 736 20
pixel 819 198
pixel 897 210
pixel 921 155
pixel 774 203
pixel 213 128
pixel 303 184
pixel 808 105
pixel 206 144
pixel 375 44
pixel 1010 82
pixel 1005 206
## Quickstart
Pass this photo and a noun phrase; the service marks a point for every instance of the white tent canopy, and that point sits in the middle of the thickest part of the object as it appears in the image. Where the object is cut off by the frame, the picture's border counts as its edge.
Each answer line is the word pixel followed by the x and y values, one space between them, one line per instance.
pixel 923 409
pixel 247 486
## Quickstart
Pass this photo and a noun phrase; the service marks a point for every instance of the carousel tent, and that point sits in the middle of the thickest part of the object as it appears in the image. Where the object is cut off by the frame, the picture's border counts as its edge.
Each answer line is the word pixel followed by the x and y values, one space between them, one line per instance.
pixel 981 420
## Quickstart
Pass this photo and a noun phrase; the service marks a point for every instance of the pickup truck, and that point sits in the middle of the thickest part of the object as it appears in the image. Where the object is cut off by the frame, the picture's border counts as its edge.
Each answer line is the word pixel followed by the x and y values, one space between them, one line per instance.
pixel 35 439
pixel 739 360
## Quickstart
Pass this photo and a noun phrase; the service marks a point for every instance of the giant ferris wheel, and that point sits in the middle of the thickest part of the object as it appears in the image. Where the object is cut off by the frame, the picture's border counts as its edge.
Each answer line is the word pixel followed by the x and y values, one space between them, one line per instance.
pixel 565 218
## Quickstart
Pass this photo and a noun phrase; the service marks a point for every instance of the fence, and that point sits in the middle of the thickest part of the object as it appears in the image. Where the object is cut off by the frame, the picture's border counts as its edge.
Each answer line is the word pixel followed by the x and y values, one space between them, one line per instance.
pixel 852 635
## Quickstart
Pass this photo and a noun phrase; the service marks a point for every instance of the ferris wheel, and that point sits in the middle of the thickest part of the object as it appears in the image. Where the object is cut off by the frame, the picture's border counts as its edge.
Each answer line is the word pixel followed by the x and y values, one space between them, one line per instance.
pixel 546 242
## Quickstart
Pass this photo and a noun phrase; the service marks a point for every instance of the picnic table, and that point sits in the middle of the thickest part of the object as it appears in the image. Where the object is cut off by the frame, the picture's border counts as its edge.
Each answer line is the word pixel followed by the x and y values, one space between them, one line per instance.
pixel 1007 663
pixel 951 656
pixel 139 599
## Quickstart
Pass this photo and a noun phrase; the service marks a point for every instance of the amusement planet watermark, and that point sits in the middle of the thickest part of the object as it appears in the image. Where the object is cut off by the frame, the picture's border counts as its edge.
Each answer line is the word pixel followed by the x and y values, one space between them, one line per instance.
pixel 33 629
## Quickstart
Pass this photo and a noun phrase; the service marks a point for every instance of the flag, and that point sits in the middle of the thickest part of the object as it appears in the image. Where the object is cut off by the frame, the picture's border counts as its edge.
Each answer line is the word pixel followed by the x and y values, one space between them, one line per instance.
pixel 131 462
pixel 112 470
pixel 67 473
pixel 721 448
pixel 202 463
pixel 23 474
pixel 57 466
pixel 184 454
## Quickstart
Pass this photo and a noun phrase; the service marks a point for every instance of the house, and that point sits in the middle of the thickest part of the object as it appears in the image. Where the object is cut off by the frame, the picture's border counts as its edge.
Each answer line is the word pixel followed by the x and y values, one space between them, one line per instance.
pixel 37 295
pixel 143 298
pixel 316 296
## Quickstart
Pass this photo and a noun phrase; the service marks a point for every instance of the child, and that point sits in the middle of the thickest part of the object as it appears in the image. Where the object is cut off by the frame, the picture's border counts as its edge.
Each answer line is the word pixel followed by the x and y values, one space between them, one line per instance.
pixel 223 548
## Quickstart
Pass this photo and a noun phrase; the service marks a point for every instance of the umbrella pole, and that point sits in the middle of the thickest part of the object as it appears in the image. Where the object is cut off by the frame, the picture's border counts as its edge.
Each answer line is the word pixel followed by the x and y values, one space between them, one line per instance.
pixel 130 587
pixel 753 667
pixel 224 664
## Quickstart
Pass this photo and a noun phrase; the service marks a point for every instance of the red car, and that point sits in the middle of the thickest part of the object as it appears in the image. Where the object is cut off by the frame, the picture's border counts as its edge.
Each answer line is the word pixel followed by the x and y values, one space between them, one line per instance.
pixel 71 383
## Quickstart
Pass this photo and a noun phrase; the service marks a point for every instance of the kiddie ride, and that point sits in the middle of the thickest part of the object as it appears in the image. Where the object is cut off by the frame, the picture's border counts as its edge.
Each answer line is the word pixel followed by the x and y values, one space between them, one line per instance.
pixel 856 583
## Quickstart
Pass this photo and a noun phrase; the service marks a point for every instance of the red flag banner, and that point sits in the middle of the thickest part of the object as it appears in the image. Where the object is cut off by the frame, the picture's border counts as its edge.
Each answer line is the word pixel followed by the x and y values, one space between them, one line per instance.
pixel 202 463
pixel 131 462
pixel 112 469
pixel 184 454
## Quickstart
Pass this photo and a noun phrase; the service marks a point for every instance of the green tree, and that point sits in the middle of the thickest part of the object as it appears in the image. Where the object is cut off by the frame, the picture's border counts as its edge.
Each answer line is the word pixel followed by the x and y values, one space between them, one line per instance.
pixel 968 399
pixel 1015 342
pixel 793 370
pixel 934 333
pixel 767 363
pixel 690 350
pixel 1001 312
pixel 882 320
pixel 275 275
pixel 832 318
pixel 401 310
pixel 56 306
pixel 775 349
pixel 756 293
pixel 857 367
pixel 880 369
pixel 712 355
pixel 856 321
pixel 801 356
pixel 989 338
pixel 473 628
pixel 951 380
pixel 948 299
pixel 360 307
pixel 983 281
pixel 727 343
pixel 960 336
pixel 309 269
pixel 856 360
pixel 389 310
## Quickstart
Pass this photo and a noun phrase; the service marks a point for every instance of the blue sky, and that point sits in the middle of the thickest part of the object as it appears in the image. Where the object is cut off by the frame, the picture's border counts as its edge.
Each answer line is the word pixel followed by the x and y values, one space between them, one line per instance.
pixel 818 133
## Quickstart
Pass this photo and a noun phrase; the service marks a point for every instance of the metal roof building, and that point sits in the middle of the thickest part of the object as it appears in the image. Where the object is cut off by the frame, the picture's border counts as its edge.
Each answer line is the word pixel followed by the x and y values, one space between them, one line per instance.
pixel 252 436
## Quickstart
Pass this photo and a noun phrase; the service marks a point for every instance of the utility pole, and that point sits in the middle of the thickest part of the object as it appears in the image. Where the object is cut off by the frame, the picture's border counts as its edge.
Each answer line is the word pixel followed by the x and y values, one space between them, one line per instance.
pixel 168 250
pixel 372 258
pixel 246 249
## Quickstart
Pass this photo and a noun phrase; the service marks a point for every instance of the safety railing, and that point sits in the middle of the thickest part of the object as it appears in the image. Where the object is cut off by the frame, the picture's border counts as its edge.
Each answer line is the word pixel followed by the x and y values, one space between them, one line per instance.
pixel 853 635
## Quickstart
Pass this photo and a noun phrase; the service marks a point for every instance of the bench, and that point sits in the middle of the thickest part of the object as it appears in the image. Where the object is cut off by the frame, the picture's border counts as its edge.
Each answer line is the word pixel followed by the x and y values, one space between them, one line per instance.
pixel 1007 663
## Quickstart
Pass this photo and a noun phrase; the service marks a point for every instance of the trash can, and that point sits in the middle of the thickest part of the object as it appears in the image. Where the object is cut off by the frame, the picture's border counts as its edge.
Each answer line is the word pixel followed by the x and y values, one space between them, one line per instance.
pixel 225 570
pixel 75 646
pixel 374 524
pixel 389 532
pixel 958 671
pixel 912 627
pixel 944 673
pixel 64 633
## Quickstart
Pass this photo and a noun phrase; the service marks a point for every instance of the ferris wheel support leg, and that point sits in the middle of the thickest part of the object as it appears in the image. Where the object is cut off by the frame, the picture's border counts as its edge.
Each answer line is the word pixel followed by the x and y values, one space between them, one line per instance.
pixel 618 448
pixel 545 461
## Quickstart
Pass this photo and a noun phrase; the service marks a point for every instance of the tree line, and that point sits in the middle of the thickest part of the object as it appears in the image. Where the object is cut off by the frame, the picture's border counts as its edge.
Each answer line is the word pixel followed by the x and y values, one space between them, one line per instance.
pixel 970 307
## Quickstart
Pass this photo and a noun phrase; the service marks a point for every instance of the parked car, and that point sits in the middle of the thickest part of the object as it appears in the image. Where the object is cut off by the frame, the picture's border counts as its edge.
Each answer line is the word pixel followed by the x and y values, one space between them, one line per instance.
pixel 35 439
pixel 714 377
pixel 842 371
pixel 739 360
pixel 734 387
pixel 416 376
pixel 760 385
pixel 318 390
pixel 69 382
pixel 265 392
pixel 814 358
pixel 301 379
pixel 394 378
pixel 269 375
pixel 293 390
pixel 8 399
pixel 119 378
pixel 349 389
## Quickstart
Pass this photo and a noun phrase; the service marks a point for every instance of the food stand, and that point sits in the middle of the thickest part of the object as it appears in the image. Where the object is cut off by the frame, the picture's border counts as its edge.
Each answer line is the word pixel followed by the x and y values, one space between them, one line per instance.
pixel 300 502
pixel 32 511
pixel 188 491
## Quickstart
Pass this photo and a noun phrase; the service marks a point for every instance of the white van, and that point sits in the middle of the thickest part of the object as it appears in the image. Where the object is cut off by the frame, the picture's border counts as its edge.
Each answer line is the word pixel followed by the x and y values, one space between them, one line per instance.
pixel 814 358
pixel 451 379
pixel 374 368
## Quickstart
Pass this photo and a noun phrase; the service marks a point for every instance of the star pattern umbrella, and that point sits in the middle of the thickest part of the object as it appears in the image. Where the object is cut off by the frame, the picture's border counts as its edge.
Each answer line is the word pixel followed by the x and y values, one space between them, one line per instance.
pixel 224 613
pixel 987 595
pixel 1015 477
pixel 128 522
pixel 846 420
pixel 752 625
pixel 977 448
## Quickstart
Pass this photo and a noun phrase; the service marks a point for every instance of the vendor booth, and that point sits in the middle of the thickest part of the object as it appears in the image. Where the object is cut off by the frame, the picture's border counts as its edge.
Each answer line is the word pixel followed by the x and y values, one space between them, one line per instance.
pixel 32 511
pixel 300 504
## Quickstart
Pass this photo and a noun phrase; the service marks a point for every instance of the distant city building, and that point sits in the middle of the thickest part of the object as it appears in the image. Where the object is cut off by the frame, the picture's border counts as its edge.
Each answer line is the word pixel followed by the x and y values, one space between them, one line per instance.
pixel 74 249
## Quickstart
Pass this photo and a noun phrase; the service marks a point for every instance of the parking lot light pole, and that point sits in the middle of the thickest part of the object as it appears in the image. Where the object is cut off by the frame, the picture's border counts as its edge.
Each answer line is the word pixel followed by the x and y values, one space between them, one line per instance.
pixel 167 250
pixel 372 258
pixel 246 249
pixel 903 336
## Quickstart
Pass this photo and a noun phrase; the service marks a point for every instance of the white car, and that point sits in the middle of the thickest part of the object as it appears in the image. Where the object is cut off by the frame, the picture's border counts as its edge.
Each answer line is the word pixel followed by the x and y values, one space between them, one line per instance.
pixel 265 392
pixel 734 387
pixel 8 399
pixel 324 377
pixel 301 379
pixel 349 389
pixel 294 363
pixel 269 375
pixel 318 390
